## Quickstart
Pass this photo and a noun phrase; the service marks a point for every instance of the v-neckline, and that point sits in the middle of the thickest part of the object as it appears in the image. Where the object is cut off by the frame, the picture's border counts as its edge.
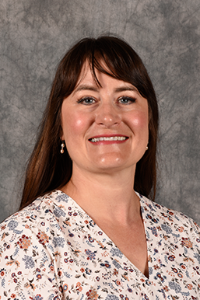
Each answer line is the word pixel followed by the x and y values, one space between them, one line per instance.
pixel 110 241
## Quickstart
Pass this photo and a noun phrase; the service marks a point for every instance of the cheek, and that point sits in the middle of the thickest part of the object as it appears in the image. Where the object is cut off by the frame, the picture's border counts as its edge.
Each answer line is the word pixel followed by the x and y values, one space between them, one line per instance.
pixel 139 121
pixel 74 123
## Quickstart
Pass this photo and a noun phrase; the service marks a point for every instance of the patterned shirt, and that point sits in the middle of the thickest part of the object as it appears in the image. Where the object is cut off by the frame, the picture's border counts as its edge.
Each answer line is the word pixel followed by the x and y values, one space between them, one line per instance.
pixel 53 250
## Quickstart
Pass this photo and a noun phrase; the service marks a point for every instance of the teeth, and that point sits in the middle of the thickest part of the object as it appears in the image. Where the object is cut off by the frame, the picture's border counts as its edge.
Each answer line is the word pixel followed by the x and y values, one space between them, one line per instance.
pixel 112 138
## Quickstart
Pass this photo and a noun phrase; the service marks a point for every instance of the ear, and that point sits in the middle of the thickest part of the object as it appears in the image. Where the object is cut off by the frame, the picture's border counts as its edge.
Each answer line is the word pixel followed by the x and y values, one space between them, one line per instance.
pixel 61 134
pixel 149 113
pixel 61 128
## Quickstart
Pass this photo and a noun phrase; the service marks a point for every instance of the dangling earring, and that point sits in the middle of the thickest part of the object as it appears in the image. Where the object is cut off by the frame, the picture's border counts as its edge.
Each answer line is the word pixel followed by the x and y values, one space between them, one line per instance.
pixel 62 147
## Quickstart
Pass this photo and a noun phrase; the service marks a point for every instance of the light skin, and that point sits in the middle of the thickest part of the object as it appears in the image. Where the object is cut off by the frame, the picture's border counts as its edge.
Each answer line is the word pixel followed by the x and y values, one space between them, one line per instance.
pixel 105 129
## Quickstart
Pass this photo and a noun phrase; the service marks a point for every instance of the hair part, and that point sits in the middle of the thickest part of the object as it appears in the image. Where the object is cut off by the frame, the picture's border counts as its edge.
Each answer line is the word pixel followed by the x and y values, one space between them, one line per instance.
pixel 47 168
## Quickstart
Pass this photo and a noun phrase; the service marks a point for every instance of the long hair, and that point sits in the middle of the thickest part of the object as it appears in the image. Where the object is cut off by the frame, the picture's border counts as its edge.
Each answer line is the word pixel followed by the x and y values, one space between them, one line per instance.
pixel 48 169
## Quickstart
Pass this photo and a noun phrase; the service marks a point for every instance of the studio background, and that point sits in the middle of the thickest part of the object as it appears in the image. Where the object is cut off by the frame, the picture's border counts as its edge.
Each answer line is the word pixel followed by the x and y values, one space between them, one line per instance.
pixel 34 35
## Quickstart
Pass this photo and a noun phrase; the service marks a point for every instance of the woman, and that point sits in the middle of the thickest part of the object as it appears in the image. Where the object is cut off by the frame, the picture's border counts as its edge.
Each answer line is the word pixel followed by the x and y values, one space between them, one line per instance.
pixel 89 234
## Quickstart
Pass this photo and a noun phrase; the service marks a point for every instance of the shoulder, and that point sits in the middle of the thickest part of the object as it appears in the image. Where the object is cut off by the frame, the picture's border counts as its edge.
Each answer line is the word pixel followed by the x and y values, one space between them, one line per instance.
pixel 39 215
pixel 37 227
pixel 171 221
pixel 29 216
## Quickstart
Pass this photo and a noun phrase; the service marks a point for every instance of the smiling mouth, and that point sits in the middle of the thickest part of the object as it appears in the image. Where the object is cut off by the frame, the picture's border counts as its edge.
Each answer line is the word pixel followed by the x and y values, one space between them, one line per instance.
pixel 108 139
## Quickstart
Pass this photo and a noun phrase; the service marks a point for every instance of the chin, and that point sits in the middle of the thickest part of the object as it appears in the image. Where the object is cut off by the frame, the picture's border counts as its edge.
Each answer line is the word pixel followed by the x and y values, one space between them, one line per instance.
pixel 109 162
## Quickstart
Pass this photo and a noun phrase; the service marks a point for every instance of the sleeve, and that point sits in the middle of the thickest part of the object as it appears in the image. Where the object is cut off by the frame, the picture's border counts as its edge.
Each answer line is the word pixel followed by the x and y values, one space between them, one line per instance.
pixel 195 233
pixel 26 265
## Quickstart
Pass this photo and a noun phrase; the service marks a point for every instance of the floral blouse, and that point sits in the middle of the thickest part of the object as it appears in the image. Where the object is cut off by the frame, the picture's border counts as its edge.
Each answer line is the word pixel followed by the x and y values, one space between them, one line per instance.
pixel 53 250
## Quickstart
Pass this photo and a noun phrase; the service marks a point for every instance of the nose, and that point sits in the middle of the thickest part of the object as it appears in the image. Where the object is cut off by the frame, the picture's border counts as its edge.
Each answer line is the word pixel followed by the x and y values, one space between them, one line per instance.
pixel 107 115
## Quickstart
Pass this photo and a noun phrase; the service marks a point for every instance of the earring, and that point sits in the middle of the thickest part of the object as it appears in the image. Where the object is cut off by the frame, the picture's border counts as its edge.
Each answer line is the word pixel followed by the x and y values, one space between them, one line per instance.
pixel 147 147
pixel 62 148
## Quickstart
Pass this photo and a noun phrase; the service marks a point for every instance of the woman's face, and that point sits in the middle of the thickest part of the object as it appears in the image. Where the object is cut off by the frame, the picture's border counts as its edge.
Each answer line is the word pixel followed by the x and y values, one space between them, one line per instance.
pixel 105 127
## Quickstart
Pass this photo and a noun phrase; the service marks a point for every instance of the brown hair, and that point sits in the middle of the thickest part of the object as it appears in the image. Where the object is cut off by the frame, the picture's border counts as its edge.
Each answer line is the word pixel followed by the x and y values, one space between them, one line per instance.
pixel 47 168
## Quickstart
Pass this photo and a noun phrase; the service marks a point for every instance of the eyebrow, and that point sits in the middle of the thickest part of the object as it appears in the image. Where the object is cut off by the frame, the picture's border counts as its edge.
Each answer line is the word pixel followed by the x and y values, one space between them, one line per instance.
pixel 86 87
pixel 95 89
pixel 126 88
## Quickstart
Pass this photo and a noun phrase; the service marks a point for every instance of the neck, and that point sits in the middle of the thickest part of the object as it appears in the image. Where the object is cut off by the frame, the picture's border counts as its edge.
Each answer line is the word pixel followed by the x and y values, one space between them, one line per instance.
pixel 110 197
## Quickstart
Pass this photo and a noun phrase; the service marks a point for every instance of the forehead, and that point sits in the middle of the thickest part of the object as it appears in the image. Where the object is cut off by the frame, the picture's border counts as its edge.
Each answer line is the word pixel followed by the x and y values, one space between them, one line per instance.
pixel 86 73
pixel 97 78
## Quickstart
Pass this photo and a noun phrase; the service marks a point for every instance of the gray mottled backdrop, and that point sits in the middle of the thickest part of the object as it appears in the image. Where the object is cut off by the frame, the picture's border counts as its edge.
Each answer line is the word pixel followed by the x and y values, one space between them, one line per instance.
pixel 34 35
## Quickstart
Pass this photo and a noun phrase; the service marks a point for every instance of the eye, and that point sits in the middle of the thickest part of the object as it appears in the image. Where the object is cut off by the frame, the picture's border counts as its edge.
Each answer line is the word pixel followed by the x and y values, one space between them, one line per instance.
pixel 126 100
pixel 86 100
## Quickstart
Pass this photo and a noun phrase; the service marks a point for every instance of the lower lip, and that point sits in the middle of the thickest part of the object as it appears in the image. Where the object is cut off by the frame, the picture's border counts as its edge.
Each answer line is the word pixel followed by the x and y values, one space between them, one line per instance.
pixel 107 142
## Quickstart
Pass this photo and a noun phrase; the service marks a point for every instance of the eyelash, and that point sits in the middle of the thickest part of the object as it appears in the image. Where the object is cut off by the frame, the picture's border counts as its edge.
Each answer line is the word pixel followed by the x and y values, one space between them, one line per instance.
pixel 84 99
pixel 130 100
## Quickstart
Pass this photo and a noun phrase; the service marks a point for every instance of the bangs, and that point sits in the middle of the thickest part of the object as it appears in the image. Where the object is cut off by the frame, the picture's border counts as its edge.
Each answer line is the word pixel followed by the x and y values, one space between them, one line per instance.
pixel 115 60
pixel 108 55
